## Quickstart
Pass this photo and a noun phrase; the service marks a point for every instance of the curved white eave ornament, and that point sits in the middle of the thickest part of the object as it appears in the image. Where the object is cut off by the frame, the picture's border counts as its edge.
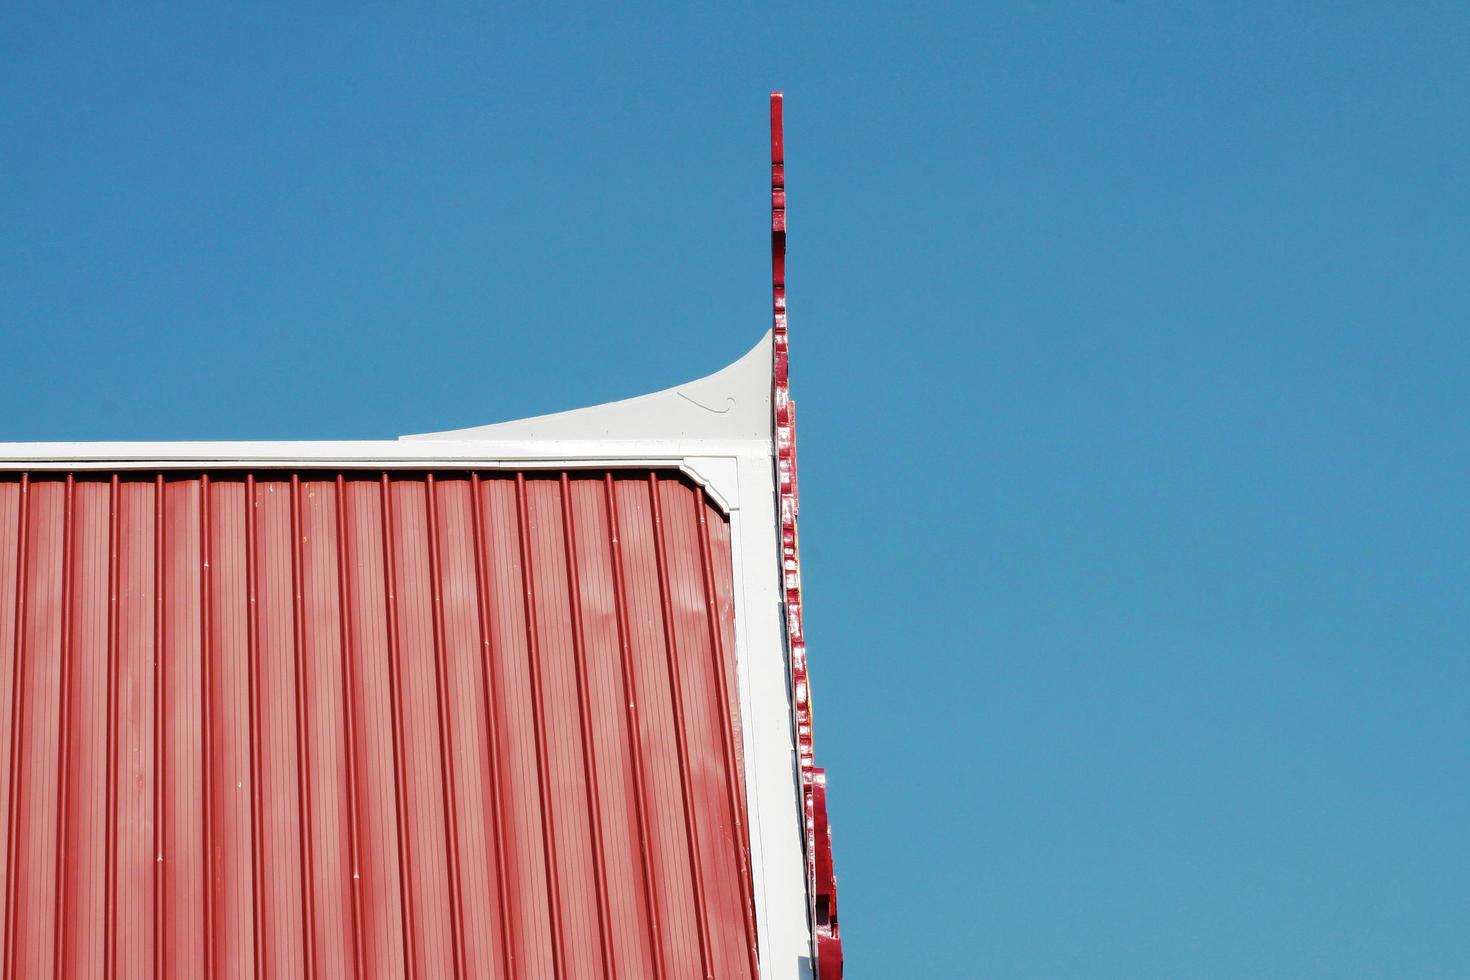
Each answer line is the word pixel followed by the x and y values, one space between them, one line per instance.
pixel 733 405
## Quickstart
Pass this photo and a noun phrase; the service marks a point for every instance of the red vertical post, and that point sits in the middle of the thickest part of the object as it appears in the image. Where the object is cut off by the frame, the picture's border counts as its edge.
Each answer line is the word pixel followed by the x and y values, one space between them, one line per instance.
pixel 821 883
pixel 778 256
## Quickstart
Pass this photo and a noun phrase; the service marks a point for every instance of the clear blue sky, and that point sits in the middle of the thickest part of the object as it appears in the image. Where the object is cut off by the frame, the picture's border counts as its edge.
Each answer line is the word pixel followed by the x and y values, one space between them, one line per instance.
pixel 1130 344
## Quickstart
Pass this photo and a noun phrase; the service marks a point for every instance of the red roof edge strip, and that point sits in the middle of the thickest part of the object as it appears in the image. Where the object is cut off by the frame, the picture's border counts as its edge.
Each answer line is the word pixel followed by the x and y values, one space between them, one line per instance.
pixel 821 882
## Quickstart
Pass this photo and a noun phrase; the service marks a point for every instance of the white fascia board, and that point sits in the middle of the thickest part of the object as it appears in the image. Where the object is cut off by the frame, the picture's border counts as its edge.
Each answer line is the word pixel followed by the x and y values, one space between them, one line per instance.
pixel 717 430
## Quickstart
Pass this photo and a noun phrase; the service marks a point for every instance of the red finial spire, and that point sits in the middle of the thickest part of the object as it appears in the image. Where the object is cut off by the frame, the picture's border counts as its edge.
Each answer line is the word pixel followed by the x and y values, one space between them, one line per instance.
pixel 821 882
pixel 778 208
pixel 778 246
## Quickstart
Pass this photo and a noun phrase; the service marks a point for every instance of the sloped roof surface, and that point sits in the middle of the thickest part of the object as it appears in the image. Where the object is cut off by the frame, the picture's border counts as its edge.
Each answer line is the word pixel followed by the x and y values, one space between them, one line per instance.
pixel 343 724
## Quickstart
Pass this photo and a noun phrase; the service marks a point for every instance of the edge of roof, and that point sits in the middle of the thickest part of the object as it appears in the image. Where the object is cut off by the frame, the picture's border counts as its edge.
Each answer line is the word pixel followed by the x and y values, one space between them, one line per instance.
pixel 698 427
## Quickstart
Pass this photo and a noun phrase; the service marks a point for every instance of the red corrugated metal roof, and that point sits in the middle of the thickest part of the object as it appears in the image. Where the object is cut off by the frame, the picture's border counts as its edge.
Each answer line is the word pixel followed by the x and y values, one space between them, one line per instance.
pixel 343 724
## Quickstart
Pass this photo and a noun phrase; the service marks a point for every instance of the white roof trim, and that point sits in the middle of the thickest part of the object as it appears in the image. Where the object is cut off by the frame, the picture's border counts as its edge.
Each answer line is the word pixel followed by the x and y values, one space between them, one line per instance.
pixel 727 414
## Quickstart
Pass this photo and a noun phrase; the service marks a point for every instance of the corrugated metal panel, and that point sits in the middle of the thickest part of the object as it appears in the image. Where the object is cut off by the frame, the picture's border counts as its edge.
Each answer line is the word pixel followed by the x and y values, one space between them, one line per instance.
pixel 375 725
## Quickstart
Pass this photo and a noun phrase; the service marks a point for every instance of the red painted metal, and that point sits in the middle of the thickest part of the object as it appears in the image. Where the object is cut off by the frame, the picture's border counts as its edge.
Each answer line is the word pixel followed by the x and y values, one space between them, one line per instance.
pixel 370 725
pixel 821 882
